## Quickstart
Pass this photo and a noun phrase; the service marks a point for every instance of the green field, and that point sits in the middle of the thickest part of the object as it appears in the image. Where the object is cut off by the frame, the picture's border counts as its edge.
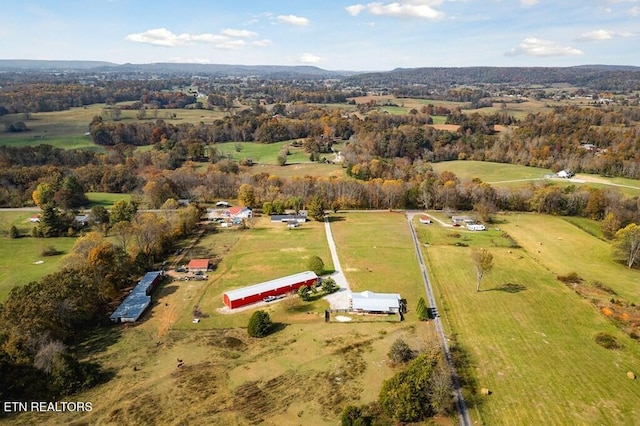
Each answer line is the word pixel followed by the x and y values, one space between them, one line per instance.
pixel 229 378
pixel 67 129
pixel 529 338
pixel 505 175
pixel 106 199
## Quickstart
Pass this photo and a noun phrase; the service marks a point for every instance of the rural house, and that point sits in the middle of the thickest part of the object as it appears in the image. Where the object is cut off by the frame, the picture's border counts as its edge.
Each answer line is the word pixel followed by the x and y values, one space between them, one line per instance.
pixel 370 302
pixel 134 305
pixel 240 212
pixel 198 265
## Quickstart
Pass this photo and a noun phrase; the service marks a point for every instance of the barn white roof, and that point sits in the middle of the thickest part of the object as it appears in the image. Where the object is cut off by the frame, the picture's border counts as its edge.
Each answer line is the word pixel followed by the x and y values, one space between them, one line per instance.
pixel 266 286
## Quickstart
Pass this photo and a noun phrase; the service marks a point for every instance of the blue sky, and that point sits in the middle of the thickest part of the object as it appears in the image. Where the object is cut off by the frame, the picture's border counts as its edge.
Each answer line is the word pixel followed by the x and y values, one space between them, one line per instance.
pixel 331 34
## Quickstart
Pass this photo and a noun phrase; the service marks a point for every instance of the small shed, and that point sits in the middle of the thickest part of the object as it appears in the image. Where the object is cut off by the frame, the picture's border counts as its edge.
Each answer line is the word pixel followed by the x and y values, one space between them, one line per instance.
pixel 222 204
pixel 201 265
pixel 371 302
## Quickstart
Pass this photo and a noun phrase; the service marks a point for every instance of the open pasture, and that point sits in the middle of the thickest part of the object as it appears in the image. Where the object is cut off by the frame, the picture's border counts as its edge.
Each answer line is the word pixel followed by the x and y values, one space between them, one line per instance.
pixel 493 173
pixel 229 378
pixel 529 338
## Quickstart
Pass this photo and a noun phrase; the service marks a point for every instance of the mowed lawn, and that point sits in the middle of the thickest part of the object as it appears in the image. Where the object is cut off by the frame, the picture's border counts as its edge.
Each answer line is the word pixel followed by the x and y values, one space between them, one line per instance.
pixel 377 254
pixel 266 251
pixel 530 339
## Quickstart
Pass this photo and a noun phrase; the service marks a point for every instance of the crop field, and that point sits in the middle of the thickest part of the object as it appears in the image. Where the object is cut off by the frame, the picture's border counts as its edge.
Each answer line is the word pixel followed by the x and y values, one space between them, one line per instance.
pixel 528 337
pixel 304 373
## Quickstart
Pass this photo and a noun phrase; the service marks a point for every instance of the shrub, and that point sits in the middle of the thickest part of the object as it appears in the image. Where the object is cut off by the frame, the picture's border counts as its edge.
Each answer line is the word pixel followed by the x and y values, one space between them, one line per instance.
pixel 422 310
pixel 259 324
pixel 316 265
pixel 400 352
pixel 329 285
pixel 607 341
pixel 50 251
pixel 570 278
pixel 14 232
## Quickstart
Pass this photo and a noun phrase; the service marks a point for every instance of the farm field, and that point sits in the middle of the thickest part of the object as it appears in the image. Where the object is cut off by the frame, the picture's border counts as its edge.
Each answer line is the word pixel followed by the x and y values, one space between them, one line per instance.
pixel 20 260
pixel 503 174
pixel 66 129
pixel 229 378
pixel 106 199
pixel 528 337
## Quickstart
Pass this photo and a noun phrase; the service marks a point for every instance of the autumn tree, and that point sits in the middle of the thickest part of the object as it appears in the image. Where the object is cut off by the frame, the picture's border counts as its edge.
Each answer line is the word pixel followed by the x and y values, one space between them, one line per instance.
pixel 316 208
pixel 123 211
pixel 246 195
pixel 626 245
pixel 482 263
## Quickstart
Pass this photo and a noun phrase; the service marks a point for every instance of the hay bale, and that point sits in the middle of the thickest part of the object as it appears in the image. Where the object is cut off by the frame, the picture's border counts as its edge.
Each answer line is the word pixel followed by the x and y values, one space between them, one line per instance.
pixel 631 375
pixel 485 391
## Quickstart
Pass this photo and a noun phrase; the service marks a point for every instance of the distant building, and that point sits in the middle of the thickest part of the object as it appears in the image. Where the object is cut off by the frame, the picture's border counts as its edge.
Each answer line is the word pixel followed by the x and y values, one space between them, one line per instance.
pixel 565 174
pixel 288 218
pixel 241 212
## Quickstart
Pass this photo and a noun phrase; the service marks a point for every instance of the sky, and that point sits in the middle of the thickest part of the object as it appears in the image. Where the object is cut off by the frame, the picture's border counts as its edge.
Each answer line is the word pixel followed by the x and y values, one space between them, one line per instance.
pixel 331 34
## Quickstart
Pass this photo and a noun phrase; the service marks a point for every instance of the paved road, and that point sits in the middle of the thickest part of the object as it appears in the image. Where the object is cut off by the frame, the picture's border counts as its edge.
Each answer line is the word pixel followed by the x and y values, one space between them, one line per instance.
pixel 463 413
pixel 339 299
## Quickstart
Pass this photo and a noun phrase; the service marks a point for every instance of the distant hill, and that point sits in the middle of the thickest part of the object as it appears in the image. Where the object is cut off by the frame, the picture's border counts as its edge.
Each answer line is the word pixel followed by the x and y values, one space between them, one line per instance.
pixel 596 76
pixel 42 65
pixel 277 71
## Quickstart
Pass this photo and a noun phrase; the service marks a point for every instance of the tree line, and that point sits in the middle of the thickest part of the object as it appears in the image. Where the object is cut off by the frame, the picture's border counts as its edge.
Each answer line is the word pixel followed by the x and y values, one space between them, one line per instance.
pixel 42 322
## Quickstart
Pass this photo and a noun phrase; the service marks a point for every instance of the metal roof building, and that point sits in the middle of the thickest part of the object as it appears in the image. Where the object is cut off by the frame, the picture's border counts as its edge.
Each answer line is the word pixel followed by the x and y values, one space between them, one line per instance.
pixel 368 301
pixel 255 293
pixel 133 306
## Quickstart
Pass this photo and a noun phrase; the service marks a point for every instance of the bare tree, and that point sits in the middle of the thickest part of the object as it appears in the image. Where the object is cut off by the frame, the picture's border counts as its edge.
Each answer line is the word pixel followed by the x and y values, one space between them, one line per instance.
pixel 482 262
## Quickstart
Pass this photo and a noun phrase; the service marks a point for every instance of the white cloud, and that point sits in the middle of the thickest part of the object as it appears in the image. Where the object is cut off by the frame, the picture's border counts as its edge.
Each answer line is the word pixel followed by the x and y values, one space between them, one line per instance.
pixel 261 43
pixel 596 35
pixel 228 39
pixel 528 3
pixel 536 47
pixel 635 11
pixel 424 9
pixel 297 21
pixel 238 33
pixel 309 58
pixel 180 60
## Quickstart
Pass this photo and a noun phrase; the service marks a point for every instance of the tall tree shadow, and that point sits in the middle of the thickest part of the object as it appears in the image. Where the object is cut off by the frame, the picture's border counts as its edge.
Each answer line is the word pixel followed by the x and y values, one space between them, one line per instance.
pixel 510 288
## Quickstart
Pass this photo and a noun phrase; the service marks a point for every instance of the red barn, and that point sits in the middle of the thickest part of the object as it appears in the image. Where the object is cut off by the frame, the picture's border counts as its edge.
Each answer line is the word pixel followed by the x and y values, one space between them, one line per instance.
pixel 196 265
pixel 255 293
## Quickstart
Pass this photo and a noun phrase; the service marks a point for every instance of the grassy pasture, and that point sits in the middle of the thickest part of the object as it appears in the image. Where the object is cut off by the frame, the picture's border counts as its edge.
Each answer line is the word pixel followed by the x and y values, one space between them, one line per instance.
pixel 106 199
pixel 66 129
pixel 530 339
pixel 263 153
pixel 302 374
pixel 492 173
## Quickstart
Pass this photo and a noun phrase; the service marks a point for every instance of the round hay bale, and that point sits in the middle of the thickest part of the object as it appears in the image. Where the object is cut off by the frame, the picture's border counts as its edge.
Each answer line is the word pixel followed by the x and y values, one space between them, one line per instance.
pixel 631 375
pixel 485 391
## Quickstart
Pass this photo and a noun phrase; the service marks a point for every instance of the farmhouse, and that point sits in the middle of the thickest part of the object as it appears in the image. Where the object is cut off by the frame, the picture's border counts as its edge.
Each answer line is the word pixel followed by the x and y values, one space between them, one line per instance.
pixel 565 174
pixel 425 219
pixel 371 302
pixel 134 305
pixel 198 265
pixel 34 218
pixel 240 212
pixel 459 220
pixel 277 287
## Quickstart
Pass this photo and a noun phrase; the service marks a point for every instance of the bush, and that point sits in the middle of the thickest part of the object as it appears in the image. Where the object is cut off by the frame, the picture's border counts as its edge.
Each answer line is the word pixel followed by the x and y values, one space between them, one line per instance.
pixel 259 324
pixel 570 278
pixel 422 310
pixel 316 265
pixel 50 251
pixel 607 341
pixel 329 285
pixel 400 352
pixel 14 232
